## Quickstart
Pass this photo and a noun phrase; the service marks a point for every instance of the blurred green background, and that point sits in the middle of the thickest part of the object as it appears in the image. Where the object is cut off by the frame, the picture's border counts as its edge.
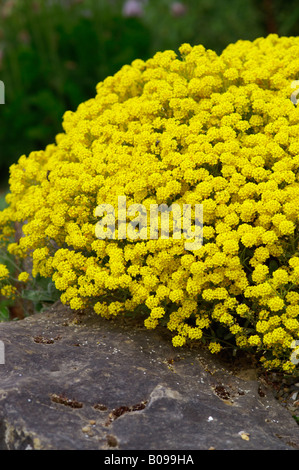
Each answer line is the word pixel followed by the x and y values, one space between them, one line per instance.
pixel 54 52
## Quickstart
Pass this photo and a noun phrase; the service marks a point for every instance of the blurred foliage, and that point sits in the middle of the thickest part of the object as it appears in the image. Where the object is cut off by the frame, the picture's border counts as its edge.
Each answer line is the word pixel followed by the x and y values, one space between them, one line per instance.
pixel 213 23
pixel 53 57
pixel 54 52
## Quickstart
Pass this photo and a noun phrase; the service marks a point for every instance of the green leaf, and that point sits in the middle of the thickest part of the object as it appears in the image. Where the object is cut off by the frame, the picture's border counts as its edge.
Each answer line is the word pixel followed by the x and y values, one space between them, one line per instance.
pixel 273 265
pixel 4 313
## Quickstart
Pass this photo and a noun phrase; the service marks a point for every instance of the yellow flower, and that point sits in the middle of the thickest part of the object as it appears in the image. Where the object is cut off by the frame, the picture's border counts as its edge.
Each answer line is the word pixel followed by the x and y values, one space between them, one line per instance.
pixel 275 304
pixel 214 347
pixel 4 273
pixel 23 277
pixel 254 340
pixel 260 273
pixel 178 341
pixel 157 312
pixel 8 291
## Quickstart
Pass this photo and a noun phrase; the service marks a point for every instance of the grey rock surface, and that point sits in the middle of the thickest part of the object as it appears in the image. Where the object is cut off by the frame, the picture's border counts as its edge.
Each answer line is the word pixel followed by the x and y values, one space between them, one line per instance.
pixel 76 382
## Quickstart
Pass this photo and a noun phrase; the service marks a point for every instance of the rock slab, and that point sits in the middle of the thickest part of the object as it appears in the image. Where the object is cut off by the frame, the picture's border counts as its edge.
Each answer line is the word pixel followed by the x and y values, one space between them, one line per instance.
pixel 78 382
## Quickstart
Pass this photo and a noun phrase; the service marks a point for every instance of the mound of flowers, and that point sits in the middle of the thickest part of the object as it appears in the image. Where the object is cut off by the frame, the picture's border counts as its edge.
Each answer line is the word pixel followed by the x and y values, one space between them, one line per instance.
pixel 194 128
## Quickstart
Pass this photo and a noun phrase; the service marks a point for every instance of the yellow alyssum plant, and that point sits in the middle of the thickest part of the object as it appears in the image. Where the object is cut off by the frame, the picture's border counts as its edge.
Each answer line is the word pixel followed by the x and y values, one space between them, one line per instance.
pixel 6 289
pixel 194 128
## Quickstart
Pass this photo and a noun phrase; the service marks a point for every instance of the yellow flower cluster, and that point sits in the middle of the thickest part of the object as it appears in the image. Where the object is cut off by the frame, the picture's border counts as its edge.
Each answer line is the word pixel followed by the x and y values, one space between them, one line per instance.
pixel 198 128
pixel 4 273
pixel 6 289
pixel 23 276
